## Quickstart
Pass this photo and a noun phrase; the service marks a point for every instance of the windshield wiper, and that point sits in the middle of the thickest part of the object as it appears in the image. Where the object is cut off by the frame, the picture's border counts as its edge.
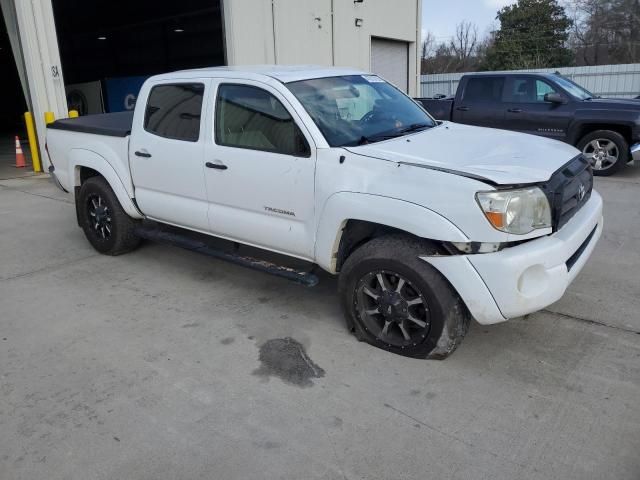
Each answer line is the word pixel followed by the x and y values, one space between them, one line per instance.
pixel 414 128
pixel 375 138
pixel 397 133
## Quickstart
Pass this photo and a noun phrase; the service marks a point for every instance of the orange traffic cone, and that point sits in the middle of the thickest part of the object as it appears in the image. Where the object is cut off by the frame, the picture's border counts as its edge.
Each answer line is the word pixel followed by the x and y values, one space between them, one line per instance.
pixel 20 160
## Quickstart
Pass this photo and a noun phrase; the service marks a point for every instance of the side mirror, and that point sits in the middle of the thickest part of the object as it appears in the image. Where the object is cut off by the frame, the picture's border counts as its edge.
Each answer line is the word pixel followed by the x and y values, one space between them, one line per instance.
pixel 553 97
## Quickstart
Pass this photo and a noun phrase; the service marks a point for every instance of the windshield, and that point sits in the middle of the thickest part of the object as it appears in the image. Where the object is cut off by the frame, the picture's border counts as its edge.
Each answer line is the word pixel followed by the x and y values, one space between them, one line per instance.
pixel 359 109
pixel 574 89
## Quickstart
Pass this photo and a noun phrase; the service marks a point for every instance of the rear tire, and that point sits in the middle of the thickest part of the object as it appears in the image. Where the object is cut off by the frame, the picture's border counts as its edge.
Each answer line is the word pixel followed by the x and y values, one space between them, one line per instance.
pixel 606 150
pixel 417 313
pixel 104 222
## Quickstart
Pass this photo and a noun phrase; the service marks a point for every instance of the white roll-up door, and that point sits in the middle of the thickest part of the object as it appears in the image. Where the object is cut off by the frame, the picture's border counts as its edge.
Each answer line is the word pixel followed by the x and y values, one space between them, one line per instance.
pixel 390 60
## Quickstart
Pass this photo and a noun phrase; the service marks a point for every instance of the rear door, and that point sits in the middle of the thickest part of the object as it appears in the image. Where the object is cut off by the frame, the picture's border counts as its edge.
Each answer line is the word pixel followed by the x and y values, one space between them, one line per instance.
pixel 527 111
pixel 481 102
pixel 260 170
pixel 166 154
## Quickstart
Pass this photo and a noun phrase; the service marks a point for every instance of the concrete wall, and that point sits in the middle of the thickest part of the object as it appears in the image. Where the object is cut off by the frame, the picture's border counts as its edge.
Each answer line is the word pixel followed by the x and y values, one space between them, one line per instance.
pixel 319 31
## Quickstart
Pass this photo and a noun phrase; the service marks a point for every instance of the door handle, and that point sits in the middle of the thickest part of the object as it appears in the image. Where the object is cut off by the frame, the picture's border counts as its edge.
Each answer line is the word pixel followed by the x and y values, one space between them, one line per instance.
pixel 219 166
pixel 515 110
pixel 141 153
pixel 463 109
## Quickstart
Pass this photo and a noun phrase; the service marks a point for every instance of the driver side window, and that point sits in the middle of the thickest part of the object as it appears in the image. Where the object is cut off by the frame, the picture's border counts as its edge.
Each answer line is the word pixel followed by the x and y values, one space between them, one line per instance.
pixel 252 118
pixel 542 88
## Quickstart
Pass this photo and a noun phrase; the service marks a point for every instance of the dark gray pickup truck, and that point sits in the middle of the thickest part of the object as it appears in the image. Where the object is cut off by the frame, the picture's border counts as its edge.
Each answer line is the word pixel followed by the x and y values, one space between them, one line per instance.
pixel 607 130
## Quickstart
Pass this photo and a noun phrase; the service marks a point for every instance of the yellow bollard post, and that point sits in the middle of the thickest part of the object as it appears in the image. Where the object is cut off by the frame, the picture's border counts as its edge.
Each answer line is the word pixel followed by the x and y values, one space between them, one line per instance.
pixel 49 117
pixel 73 114
pixel 33 143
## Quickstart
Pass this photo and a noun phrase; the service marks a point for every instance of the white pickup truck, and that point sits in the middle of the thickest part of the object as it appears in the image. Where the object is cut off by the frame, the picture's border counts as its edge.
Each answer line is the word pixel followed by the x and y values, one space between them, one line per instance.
pixel 428 224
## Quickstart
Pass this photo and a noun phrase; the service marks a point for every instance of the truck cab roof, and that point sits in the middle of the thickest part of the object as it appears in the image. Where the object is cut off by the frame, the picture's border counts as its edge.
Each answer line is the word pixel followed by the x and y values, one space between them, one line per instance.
pixel 281 73
pixel 513 74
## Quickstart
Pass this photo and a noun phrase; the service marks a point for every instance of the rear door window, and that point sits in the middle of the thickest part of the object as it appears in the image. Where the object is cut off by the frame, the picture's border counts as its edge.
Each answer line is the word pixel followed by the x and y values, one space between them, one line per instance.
pixel 484 89
pixel 174 111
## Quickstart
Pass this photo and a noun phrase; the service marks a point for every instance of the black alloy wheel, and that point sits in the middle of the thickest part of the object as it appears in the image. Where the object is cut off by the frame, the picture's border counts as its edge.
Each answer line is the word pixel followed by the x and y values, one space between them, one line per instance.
pixel 395 300
pixel 106 225
pixel 392 309
pixel 99 216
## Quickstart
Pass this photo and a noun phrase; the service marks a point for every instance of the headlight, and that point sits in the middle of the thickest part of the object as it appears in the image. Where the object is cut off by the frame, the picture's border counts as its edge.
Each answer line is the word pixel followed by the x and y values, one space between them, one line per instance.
pixel 516 211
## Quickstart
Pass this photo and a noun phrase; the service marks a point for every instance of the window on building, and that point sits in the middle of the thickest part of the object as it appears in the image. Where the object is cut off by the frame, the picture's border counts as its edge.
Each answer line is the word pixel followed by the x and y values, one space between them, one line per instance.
pixel 173 111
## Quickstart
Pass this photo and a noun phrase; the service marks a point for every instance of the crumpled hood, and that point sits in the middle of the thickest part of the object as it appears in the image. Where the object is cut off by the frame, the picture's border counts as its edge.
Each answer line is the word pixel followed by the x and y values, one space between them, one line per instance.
pixel 503 157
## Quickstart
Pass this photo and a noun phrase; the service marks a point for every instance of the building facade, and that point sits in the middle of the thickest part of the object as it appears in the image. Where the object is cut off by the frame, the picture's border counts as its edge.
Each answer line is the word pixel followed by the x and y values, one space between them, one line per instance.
pixel 61 42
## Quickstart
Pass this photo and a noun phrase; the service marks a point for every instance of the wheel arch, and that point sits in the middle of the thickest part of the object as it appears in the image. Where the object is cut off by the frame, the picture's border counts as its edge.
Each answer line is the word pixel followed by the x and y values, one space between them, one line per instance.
pixel 86 164
pixel 585 128
pixel 349 220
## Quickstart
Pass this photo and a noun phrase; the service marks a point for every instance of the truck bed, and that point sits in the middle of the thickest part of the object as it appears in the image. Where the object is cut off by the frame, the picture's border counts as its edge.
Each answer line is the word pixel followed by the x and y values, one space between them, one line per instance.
pixel 440 109
pixel 110 124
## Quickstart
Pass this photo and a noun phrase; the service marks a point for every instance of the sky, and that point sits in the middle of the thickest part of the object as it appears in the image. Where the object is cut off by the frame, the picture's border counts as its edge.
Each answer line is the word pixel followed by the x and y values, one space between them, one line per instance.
pixel 441 17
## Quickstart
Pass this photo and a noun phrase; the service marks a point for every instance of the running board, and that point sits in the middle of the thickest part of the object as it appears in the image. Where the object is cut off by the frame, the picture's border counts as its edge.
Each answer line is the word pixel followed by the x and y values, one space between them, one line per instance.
pixel 183 241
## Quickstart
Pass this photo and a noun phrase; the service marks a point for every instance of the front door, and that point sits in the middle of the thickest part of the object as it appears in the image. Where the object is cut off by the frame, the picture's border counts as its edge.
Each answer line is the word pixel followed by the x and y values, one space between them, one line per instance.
pixel 260 171
pixel 527 111
pixel 166 155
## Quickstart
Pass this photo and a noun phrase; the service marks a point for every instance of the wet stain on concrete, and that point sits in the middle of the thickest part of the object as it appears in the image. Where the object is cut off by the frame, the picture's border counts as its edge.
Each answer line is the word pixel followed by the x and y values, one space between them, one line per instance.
pixel 430 395
pixel 227 341
pixel 336 422
pixel 286 359
pixel 267 445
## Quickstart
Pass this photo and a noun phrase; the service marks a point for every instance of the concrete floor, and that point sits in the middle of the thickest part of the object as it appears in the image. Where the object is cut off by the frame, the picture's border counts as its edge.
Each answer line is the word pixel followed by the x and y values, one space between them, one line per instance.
pixel 147 366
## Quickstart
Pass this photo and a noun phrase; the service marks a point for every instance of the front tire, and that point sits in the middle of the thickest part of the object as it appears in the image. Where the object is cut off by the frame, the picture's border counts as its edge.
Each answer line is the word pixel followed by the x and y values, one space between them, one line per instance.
pixel 607 151
pixel 395 301
pixel 104 222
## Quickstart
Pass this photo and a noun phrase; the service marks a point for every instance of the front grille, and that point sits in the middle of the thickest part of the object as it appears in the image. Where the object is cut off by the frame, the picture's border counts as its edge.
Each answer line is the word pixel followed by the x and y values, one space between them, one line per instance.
pixel 568 190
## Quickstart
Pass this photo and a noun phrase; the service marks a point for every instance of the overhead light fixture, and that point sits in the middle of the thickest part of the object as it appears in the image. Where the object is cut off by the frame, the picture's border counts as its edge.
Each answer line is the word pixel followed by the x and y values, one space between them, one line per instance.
pixel 102 38
pixel 359 22
pixel 178 30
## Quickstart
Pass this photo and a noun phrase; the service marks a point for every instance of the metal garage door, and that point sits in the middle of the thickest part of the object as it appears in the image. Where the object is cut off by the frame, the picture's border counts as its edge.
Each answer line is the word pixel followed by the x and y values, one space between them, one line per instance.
pixel 390 60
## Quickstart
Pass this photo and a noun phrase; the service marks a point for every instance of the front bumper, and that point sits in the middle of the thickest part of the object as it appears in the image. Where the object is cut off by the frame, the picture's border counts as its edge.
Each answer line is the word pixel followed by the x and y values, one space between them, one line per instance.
pixel 635 152
pixel 526 278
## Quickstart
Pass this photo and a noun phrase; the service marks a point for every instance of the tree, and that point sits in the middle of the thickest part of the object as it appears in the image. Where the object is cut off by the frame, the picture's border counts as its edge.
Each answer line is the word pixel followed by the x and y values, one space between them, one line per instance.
pixel 464 43
pixel 457 55
pixel 532 34
pixel 428 45
pixel 606 31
